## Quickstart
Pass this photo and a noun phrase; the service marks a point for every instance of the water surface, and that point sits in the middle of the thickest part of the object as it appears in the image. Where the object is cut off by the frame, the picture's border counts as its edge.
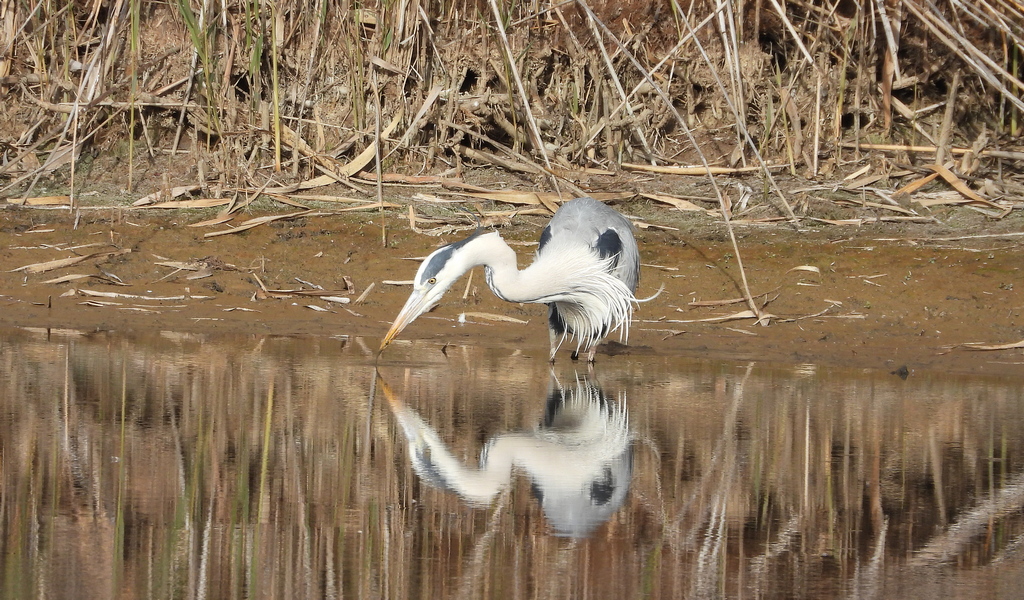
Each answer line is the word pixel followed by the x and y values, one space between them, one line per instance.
pixel 170 465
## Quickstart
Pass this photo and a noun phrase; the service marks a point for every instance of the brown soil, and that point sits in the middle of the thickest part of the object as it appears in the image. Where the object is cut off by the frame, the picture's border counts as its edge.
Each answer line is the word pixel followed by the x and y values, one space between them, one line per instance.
pixel 888 295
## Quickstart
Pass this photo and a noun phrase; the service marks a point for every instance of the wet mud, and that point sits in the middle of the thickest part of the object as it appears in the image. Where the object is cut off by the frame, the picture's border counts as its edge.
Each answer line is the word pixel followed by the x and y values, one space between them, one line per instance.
pixel 883 296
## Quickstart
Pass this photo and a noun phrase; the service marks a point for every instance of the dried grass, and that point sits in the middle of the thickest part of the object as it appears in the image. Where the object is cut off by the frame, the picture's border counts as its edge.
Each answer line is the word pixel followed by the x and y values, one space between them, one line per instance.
pixel 284 93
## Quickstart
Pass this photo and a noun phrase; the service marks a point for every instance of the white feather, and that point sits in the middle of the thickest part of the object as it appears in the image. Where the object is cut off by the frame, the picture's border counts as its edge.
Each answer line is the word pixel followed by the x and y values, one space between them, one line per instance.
pixel 591 300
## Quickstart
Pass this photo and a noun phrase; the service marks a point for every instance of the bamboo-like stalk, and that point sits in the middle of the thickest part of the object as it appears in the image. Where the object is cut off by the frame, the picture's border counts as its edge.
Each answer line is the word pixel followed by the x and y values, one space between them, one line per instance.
pixel 133 52
pixel 275 84
pixel 947 120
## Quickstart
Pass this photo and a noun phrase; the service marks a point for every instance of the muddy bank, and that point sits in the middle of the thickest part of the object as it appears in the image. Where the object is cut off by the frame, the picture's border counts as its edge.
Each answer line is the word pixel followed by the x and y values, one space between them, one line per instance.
pixel 885 295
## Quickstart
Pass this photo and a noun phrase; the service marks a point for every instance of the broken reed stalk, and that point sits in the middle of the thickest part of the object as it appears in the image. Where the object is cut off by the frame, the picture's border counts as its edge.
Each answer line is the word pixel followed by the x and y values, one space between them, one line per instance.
pixel 74 163
pixel 535 137
pixel 731 46
pixel 376 136
pixel 817 125
pixel 947 120
pixel 275 84
pixel 133 76
pixel 613 76
pixel 310 67
pixel 911 149
pixel 190 81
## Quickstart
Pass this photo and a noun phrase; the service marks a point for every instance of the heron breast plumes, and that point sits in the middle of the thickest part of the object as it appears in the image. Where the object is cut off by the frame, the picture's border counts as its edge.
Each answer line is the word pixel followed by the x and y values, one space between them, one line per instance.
pixel 590 299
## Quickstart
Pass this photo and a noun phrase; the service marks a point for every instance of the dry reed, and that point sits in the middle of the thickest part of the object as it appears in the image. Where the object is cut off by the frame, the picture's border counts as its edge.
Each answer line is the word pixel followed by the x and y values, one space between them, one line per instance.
pixel 277 93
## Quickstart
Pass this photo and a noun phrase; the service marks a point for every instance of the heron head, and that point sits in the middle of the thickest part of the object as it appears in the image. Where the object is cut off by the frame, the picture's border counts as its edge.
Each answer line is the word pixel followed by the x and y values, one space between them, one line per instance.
pixel 436 275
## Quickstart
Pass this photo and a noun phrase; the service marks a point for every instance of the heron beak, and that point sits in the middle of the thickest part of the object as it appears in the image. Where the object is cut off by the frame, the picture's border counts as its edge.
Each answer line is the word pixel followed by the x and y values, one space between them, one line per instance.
pixel 417 304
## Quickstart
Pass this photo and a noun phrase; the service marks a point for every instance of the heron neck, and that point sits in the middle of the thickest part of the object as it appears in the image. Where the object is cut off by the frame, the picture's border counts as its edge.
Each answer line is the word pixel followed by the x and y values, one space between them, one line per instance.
pixel 507 281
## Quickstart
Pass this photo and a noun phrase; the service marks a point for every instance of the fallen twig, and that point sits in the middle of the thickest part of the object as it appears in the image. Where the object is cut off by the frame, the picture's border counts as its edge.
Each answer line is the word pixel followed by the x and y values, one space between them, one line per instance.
pixel 979 346
pixel 66 262
pixel 910 149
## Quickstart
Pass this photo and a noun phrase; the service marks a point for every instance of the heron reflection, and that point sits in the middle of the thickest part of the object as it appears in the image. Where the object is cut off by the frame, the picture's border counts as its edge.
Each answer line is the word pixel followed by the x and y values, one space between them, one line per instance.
pixel 579 459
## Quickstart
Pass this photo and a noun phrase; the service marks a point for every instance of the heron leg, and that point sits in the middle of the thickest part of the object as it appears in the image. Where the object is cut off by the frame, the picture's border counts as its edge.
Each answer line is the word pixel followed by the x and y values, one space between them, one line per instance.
pixel 556 330
pixel 591 351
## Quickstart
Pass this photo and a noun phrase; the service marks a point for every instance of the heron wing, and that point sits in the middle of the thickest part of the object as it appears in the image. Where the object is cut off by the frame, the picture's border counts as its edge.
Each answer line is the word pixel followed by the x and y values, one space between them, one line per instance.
pixel 605 230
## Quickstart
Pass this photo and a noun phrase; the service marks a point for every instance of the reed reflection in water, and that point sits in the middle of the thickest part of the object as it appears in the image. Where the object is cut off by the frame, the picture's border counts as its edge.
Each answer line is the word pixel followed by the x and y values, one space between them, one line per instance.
pixel 168 465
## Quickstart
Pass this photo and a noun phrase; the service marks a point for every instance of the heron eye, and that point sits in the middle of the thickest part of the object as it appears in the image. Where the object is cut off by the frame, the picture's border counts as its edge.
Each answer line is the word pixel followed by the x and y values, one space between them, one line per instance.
pixel 432 280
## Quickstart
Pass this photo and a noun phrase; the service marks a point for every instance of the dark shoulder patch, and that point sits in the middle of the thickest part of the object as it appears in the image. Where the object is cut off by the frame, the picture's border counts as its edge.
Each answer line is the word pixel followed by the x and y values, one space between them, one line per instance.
pixel 608 243
pixel 437 260
pixel 602 490
pixel 545 237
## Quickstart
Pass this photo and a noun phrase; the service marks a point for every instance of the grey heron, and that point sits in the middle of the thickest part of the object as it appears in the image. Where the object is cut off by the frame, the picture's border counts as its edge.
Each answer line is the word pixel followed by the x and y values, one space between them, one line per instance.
pixel 586 270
